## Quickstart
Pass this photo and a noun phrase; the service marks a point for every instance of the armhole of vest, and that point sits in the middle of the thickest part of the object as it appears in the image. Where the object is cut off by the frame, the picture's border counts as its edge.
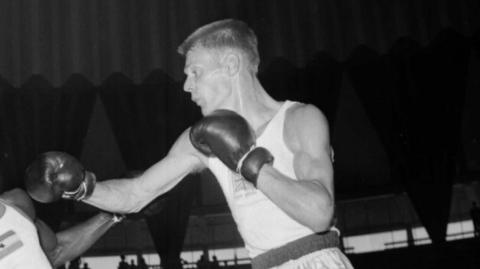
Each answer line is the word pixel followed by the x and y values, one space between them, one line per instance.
pixel 16 208
pixel 290 105
pixel 2 209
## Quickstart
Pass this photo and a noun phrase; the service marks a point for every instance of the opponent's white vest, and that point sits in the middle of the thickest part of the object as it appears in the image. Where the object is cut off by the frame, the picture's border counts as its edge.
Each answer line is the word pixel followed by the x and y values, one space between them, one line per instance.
pixel 261 223
pixel 19 244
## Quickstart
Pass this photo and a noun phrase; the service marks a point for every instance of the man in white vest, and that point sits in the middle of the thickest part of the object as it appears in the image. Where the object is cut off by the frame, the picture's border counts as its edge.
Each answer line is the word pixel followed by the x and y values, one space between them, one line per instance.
pixel 272 159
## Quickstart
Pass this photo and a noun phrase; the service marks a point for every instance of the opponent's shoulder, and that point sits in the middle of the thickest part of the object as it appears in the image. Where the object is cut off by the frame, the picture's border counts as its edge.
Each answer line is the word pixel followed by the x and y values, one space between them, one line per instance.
pixel 20 199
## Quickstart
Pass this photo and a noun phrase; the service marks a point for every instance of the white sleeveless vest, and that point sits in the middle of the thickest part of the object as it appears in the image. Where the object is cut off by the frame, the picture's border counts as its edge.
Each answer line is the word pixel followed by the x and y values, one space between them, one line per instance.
pixel 19 244
pixel 261 223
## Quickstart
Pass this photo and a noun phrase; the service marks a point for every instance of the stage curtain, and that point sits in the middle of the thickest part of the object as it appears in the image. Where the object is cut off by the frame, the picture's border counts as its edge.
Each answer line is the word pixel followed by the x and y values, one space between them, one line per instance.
pixel 39 117
pixel 96 38
pixel 146 120
pixel 414 96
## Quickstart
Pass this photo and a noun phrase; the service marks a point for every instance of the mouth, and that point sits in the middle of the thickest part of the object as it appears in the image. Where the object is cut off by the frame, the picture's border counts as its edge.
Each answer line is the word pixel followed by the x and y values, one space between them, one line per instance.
pixel 196 101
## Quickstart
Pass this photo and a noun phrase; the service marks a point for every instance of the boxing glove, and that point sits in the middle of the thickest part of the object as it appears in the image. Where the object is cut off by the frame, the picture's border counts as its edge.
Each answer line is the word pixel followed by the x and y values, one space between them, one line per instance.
pixel 228 136
pixel 54 175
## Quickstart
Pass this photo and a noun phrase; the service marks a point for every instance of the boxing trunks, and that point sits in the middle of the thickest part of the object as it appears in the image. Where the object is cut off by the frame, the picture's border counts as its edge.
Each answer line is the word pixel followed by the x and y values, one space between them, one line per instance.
pixel 315 251
pixel 19 244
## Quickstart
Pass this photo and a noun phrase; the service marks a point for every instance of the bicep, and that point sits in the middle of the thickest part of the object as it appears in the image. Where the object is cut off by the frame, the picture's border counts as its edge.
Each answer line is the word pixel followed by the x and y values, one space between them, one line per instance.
pixel 310 144
pixel 181 160
pixel 48 239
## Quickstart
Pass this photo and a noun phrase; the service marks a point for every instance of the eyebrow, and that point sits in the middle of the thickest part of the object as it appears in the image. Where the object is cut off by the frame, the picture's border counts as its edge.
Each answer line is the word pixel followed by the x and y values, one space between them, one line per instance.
pixel 190 67
pixel 187 68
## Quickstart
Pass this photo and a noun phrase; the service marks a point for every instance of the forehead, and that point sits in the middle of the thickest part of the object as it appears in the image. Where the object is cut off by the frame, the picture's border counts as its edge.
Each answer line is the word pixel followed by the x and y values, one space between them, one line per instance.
pixel 198 56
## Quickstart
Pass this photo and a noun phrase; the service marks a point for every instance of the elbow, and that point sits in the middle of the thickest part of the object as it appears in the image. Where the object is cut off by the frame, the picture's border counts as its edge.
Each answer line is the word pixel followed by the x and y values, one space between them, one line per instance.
pixel 58 263
pixel 133 207
pixel 57 257
pixel 323 218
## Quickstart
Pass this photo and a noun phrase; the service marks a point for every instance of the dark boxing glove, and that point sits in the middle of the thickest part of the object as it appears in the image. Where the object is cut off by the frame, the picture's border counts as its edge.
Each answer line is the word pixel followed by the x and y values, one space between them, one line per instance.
pixel 54 175
pixel 228 136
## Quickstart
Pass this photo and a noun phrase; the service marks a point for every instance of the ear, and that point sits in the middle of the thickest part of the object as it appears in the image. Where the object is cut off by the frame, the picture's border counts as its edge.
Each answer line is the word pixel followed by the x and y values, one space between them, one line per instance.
pixel 231 63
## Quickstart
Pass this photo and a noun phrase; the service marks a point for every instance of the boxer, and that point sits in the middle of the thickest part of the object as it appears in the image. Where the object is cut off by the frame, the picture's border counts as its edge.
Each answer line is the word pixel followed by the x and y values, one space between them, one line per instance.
pixel 272 159
pixel 27 242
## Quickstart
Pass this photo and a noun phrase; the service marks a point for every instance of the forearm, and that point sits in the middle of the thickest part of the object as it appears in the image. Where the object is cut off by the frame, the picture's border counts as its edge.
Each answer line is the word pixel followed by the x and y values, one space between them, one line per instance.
pixel 131 195
pixel 118 195
pixel 306 201
pixel 76 240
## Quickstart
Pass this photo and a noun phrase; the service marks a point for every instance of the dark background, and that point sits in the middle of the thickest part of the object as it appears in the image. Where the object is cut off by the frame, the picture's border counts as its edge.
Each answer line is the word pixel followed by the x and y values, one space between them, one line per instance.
pixel 398 81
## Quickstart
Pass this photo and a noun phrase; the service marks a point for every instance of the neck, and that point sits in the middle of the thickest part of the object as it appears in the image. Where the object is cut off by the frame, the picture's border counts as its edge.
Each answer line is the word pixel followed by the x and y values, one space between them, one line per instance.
pixel 253 102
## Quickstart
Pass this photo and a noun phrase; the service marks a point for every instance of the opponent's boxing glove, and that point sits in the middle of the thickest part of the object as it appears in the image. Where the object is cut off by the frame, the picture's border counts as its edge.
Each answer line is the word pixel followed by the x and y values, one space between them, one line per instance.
pixel 54 175
pixel 228 136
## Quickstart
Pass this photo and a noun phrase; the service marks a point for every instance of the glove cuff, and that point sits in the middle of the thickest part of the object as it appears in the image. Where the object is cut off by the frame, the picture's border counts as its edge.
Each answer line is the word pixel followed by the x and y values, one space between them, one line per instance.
pixel 90 181
pixel 253 162
pixel 84 190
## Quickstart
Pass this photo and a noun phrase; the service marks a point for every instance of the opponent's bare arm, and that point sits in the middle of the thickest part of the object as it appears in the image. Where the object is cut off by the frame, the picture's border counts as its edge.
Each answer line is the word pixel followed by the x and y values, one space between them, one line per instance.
pixel 68 244
pixel 131 195
pixel 309 200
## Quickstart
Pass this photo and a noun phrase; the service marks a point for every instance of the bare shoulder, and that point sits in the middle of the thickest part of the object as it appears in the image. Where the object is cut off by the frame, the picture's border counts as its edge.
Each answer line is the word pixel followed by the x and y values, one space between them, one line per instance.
pixel 305 123
pixel 20 199
pixel 305 114
pixel 183 145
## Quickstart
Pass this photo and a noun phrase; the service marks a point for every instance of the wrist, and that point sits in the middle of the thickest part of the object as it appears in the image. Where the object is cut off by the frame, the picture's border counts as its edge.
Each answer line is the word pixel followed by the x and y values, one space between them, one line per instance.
pixel 113 218
pixel 254 162
pixel 267 171
pixel 116 218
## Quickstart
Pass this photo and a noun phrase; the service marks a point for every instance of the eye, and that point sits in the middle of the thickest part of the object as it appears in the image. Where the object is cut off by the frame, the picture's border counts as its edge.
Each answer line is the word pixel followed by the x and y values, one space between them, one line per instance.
pixel 196 72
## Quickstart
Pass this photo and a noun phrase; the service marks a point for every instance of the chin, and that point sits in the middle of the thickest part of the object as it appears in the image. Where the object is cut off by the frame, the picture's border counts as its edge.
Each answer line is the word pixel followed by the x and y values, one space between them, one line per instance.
pixel 205 111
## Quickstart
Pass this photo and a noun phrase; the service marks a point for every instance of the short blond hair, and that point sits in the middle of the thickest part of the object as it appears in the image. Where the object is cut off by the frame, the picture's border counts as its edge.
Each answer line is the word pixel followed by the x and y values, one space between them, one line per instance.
pixel 225 34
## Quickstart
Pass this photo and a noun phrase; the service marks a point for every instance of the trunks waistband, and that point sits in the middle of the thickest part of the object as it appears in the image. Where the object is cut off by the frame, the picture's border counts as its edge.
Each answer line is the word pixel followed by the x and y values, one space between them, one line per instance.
pixel 296 249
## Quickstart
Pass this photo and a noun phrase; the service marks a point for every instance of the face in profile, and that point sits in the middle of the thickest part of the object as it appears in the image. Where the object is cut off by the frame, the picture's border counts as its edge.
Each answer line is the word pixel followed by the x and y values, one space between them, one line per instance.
pixel 206 80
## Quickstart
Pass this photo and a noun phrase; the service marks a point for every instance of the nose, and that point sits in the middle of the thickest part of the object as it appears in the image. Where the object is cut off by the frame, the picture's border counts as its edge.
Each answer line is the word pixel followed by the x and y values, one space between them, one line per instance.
pixel 187 86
